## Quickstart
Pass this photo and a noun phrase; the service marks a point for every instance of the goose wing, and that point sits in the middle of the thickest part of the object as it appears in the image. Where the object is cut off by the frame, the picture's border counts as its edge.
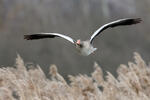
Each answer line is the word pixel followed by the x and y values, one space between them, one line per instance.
pixel 47 35
pixel 120 22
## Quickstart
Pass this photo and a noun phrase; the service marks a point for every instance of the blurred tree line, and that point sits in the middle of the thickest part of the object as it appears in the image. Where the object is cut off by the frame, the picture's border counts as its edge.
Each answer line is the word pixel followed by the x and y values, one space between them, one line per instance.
pixel 78 19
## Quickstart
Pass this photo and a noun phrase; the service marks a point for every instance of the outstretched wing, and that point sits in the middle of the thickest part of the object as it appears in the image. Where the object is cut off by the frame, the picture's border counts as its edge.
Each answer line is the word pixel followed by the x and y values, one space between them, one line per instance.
pixel 47 35
pixel 121 22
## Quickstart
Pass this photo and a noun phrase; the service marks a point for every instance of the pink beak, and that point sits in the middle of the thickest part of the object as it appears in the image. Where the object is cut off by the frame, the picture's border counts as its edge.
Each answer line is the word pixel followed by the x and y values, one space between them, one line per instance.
pixel 78 41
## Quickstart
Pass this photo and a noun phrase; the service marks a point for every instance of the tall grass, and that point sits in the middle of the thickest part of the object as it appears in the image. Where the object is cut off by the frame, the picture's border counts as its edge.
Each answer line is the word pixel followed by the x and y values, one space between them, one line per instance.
pixel 132 83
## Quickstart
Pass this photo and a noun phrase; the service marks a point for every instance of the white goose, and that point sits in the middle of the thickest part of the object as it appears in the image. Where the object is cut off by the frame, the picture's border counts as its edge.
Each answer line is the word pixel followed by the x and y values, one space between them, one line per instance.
pixel 85 47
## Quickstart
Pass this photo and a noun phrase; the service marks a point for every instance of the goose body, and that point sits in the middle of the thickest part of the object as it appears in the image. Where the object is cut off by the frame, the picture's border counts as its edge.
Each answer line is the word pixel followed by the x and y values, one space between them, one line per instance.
pixel 85 47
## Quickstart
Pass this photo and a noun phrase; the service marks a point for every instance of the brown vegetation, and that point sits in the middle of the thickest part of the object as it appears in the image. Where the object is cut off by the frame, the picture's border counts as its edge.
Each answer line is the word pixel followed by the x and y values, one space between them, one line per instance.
pixel 132 83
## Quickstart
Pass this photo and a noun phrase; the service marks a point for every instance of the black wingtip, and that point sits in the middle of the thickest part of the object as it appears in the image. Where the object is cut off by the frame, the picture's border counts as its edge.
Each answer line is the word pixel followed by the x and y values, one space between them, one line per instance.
pixel 27 37
pixel 137 20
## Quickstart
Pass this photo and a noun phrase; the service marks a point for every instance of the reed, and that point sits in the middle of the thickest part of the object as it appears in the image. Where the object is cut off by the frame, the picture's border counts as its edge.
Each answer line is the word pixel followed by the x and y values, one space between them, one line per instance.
pixel 132 83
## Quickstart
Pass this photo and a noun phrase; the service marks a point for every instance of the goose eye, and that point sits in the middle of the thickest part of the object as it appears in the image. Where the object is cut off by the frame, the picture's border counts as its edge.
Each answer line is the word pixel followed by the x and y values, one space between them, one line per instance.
pixel 80 45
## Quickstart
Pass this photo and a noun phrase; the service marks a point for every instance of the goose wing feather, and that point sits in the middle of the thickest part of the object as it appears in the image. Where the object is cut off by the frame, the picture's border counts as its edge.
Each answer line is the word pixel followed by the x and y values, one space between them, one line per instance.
pixel 47 35
pixel 120 22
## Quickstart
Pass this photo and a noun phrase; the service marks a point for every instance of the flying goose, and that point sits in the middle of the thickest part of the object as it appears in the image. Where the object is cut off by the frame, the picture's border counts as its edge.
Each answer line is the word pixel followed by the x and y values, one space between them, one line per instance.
pixel 85 47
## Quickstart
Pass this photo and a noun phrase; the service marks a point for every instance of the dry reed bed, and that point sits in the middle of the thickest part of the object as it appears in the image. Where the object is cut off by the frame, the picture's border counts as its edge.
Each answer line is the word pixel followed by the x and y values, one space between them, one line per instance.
pixel 132 83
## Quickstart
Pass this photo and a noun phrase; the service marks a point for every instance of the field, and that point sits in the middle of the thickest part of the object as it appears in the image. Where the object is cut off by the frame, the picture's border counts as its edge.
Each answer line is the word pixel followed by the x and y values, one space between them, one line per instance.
pixel 20 83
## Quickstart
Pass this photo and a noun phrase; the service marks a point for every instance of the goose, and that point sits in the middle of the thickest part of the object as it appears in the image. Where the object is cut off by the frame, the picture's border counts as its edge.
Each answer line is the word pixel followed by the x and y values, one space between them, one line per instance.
pixel 85 47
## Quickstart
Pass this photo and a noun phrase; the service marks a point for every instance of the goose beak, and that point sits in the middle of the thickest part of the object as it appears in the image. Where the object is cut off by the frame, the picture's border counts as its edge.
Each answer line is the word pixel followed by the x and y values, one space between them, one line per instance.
pixel 78 42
